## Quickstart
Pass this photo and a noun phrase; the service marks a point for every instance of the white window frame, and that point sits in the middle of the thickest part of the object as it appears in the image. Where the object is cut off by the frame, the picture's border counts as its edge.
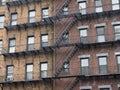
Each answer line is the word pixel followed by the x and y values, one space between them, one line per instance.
pixel 102 63
pixel 30 43
pixel 82 7
pixel 45 12
pixel 98 8
pixel 115 4
pixel 44 40
pixel 85 87
pixel 117 31
pixel 99 36
pixel 43 69
pixel 83 35
pixel 29 71
pixel 2 20
pixel 14 20
pixel 105 86
pixel 9 73
pixel 32 16
pixel 11 45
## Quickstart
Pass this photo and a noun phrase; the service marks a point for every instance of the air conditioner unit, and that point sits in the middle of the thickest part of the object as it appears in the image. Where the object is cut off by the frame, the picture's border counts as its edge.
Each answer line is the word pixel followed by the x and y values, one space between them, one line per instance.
pixel 9 78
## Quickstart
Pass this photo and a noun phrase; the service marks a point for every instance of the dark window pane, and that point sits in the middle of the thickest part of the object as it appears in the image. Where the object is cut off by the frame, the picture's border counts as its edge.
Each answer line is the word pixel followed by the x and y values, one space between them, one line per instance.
pixel 84 70
pixel 103 69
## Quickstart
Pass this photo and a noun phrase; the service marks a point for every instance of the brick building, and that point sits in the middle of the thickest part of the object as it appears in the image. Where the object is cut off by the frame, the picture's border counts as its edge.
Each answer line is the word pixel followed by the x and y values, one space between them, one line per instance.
pixel 59 45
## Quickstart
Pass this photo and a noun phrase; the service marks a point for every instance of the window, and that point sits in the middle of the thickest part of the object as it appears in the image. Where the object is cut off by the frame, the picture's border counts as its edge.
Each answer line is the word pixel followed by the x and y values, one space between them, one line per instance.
pixel 117 32
pixel 66 67
pixel 31 16
pixel 44 69
pixel 3 2
pixel 45 12
pixel 118 62
pixel 30 45
pixel 65 38
pixel 115 4
pixel 100 34
pixel 104 88
pixel 98 6
pixel 13 18
pixel 84 66
pixel 83 35
pixel 82 6
pixel 2 19
pixel 11 45
pixel 9 74
pixel 102 65
pixel 29 70
pixel 44 40
pixel 0 46
pixel 65 10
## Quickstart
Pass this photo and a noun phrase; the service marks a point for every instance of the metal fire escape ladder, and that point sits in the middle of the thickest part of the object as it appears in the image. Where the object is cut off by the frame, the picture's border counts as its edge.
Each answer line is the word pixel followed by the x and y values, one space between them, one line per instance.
pixel 67 59
pixel 74 83
pixel 66 30
pixel 63 5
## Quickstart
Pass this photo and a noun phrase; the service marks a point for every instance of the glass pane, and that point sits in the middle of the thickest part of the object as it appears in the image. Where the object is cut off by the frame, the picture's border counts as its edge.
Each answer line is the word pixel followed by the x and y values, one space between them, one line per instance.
pixel 102 60
pixel 14 16
pixel 11 49
pixel 82 5
pixel 43 74
pixel 30 46
pixel 45 13
pixel 44 44
pixel 98 3
pixel 83 40
pixel 118 59
pixel 117 29
pixel 103 69
pixel 99 9
pixel 2 18
pixel 117 36
pixel 45 38
pixel 100 30
pixel 115 1
pixel 1 24
pixel 104 89
pixel 13 22
pixel 29 76
pixel 66 67
pixel 83 33
pixel 30 40
pixel 84 62
pixel 101 38
pixel 43 66
pixel 84 70
pixel 10 69
pixel 12 42
pixel 32 14
pixel 32 19
pixel 115 7
pixel 29 68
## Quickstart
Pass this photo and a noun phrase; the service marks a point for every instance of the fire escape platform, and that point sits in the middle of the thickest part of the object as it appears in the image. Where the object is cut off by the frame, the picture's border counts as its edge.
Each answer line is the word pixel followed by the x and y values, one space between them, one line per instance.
pixel 46 21
pixel 42 50
pixel 21 2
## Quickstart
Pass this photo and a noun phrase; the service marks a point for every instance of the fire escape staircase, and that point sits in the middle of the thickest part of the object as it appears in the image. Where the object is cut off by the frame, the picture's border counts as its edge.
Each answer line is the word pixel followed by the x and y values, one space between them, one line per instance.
pixel 74 83
pixel 66 30
pixel 61 8
pixel 67 59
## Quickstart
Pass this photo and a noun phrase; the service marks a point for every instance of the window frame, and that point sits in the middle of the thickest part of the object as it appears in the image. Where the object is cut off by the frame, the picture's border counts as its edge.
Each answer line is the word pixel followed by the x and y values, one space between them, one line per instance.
pixel 103 73
pixel 1 46
pixel 115 4
pixel 118 63
pixel 83 67
pixel 27 72
pixel 66 69
pixel 116 33
pixel 43 71
pixel 30 44
pixel 65 10
pixel 11 76
pixel 2 21
pixel 84 38
pixel 99 35
pixel 44 15
pixel 33 17
pixel 81 9
pixel 98 6
pixel 12 46
pixel 42 42
pixel 13 21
